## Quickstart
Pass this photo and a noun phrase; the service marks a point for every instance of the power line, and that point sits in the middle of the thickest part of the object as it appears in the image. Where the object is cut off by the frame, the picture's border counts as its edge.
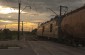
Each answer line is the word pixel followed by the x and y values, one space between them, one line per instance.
pixel 11 7
pixel 26 7
pixel 52 11
pixel 28 2
pixel 19 1
pixel 7 1
pixel 34 5
pixel 61 7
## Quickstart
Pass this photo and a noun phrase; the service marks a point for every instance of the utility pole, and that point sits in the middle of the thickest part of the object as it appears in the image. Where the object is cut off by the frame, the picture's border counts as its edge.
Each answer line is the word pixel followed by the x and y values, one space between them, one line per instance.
pixel 19 21
pixel 60 10
pixel 59 22
pixel 5 26
pixel 22 27
pixel 19 18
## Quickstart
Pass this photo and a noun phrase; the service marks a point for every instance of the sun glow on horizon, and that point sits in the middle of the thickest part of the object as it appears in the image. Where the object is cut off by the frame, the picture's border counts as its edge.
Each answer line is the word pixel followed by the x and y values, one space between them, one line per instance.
pixel 13 26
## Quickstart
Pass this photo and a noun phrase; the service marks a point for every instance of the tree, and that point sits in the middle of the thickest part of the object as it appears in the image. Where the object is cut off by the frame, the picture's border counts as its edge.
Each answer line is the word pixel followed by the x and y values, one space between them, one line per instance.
pixel 34 31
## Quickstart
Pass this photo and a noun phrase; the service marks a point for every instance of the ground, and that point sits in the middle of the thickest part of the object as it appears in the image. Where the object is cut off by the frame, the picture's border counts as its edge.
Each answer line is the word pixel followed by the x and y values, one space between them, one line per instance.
pixel 40 47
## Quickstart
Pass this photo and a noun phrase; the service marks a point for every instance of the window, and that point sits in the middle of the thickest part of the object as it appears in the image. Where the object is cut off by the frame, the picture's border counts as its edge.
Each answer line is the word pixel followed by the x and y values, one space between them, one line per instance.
pixel 43 28
pixel 51 27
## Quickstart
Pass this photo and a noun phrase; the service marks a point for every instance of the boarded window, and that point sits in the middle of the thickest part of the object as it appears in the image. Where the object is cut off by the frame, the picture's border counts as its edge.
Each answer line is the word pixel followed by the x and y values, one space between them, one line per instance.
pixel 51 27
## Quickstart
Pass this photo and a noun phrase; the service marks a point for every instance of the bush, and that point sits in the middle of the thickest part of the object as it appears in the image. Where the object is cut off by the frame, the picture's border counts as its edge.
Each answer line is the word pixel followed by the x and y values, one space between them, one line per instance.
pixel 5 34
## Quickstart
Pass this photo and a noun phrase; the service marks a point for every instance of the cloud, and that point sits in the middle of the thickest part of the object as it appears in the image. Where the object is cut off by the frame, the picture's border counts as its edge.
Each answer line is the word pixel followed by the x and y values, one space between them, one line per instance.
pixel 41 5
pixel 39 11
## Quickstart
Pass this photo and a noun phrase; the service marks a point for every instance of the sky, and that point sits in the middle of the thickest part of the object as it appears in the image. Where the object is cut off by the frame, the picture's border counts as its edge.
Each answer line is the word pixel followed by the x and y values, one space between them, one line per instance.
pixel 36 11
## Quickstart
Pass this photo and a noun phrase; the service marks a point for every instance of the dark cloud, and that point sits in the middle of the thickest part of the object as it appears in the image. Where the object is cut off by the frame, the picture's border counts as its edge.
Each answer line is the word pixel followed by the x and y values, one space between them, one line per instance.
pixel 40 6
